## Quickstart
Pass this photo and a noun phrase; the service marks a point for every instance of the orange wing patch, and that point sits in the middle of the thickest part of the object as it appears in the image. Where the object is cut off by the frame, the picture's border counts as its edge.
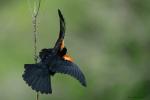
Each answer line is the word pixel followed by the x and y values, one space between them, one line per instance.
pixel 62 44
pixel 68 58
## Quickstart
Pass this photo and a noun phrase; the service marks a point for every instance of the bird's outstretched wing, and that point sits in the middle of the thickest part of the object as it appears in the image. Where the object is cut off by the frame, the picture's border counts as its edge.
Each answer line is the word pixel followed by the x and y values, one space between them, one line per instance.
pixel 67 67
pixel 59 42
pixel 38 78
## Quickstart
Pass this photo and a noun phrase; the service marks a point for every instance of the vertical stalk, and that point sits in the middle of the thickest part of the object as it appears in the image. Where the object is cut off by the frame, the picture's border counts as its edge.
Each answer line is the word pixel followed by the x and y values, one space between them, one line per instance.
pixel 34 22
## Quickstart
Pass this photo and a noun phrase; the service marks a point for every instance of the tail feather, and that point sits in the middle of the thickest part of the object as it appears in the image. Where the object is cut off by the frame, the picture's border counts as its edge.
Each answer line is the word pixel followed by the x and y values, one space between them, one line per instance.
pixel 41 84
pixel 29 72
pixel 37 77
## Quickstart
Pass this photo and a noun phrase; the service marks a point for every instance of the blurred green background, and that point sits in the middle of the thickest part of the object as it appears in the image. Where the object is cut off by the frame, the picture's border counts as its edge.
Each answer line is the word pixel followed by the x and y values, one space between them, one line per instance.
pixel 108 39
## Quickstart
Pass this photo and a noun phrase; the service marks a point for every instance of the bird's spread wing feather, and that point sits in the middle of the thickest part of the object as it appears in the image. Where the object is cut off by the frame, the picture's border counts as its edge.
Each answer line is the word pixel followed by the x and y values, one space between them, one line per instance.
pixel 61 33
pixel 66 67
pixel 38 78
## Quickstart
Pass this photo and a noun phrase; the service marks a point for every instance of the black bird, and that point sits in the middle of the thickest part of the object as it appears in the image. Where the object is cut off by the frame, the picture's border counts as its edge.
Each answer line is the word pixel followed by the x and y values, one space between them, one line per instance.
pixel 52 60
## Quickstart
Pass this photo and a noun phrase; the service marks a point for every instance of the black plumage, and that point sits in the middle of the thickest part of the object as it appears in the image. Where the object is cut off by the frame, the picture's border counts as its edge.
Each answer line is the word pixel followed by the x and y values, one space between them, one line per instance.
pixel 52 60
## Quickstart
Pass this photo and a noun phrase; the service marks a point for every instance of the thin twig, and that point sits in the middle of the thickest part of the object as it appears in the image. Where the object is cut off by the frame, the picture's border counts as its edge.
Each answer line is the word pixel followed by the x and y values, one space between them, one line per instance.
pixel 34 22
pixel 37 96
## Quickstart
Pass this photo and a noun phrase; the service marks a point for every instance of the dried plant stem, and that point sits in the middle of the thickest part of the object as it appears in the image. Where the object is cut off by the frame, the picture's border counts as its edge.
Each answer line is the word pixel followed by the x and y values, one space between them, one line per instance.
pixel 37 96
pixel 34 22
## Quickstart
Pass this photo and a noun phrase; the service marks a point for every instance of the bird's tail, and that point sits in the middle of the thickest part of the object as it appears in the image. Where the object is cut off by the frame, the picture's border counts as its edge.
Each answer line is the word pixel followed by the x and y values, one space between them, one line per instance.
pixel 37 77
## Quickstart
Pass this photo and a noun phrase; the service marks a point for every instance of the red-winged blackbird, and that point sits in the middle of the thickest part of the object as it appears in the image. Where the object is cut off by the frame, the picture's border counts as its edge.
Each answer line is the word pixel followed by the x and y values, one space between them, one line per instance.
pixel 52 60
